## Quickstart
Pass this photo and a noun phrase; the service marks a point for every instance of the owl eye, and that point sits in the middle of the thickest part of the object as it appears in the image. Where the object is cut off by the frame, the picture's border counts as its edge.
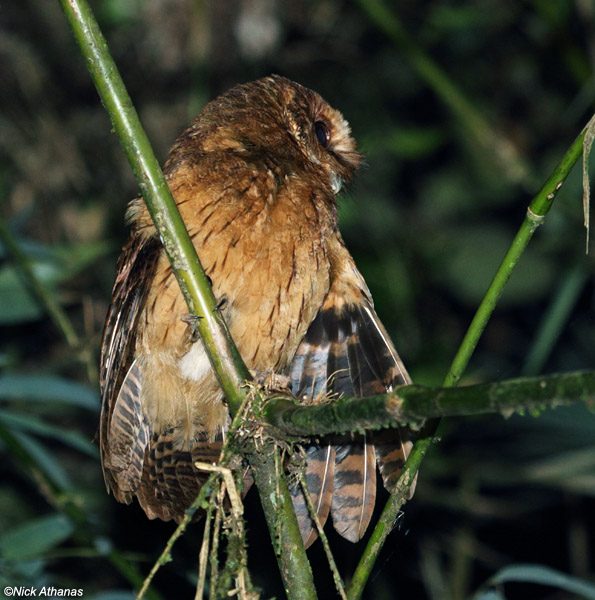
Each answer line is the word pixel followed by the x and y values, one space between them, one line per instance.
pixel 323 135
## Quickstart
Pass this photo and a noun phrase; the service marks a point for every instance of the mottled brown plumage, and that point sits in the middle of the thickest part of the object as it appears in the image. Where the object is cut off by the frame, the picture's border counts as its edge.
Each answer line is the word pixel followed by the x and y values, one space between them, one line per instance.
pixel 255 178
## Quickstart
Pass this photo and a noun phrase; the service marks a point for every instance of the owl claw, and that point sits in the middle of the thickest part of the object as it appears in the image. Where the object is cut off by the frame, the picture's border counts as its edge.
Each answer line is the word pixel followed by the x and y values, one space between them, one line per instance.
pixel 221 303
pixel 192 322
pixel 274 381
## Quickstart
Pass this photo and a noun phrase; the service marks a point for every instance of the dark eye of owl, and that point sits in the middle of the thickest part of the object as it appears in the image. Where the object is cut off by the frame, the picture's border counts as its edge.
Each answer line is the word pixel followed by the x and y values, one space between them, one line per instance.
pixel 323 135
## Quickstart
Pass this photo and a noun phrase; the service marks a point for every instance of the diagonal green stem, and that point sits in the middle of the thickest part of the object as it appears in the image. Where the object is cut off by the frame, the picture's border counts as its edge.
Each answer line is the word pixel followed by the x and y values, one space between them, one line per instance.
pixel 192 279
pixel 223 354
pixel 539 207
pixel 536 212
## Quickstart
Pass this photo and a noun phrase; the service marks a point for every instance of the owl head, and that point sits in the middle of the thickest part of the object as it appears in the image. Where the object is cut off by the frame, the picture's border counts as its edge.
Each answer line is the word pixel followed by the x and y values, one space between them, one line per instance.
pixel 278 122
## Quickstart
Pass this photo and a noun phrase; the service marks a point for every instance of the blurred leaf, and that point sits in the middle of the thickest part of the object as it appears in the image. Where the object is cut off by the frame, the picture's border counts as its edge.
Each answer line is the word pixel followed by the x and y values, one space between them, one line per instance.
pixel 47 388
pixel 28 423
pixel 119 12
pixel 452 17
pixel 35 537
pixel 414 142
pixel 16 303
pixel 50 266
pixel 476 254
pixel 44 460
pixel 75 259
pixel 544 576
pixel 27 572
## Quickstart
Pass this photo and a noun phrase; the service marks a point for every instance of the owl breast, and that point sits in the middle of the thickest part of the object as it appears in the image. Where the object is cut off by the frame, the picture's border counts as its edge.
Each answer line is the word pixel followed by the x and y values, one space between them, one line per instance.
pixel 270 271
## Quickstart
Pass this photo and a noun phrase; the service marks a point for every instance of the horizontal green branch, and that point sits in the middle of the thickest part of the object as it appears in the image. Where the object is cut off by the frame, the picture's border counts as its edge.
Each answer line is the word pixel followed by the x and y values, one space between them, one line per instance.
pixel 414 404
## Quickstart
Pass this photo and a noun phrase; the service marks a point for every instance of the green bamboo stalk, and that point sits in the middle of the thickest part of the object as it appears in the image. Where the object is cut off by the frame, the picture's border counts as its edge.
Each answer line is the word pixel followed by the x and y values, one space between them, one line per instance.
pixel 464 110
pixel 536 212
pixel 223 354
pixel 538 208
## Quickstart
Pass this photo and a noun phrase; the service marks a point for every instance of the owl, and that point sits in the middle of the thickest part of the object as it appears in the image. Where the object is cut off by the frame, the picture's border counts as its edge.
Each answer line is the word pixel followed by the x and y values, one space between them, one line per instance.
pixel 255 178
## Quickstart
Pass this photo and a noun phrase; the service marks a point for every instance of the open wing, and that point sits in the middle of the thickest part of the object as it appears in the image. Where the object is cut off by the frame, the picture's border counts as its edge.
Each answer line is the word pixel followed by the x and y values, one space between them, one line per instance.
pixel 346 350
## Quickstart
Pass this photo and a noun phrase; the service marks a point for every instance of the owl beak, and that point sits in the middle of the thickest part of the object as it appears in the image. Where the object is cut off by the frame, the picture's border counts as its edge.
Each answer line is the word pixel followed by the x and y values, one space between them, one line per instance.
pixel 336 183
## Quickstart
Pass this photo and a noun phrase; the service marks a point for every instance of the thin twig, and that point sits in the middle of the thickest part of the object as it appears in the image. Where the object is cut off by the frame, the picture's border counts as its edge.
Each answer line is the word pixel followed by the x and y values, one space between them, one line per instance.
pixel 215 542
pixel 204 555
pixel 327 549
pixel 165 555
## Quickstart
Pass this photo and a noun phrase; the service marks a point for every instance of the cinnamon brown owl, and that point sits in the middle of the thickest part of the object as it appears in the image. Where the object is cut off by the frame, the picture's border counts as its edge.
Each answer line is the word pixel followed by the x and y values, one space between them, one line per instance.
pixel 255 178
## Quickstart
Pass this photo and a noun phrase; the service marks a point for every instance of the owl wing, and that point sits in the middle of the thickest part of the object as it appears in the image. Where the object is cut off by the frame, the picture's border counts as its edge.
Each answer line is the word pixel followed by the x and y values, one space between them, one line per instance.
pixel 124 429
pixel 346 350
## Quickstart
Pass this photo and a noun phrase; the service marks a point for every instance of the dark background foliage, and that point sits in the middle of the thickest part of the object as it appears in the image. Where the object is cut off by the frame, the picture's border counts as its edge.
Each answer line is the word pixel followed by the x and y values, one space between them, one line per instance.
pixel 428 220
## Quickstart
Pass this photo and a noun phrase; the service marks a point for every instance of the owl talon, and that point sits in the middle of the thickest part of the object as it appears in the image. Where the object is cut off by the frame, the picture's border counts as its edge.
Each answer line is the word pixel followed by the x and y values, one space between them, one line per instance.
pixel 221 303
pixel 192 321
pixel 273 381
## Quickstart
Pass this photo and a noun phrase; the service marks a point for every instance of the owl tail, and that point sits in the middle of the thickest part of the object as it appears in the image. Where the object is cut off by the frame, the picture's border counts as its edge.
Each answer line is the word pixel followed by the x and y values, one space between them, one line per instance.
pixel 347 351
pixel 341 481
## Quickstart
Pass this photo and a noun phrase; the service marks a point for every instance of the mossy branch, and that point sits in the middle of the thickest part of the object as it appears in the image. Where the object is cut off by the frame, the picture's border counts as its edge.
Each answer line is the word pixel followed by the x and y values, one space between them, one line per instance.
pixel 414 404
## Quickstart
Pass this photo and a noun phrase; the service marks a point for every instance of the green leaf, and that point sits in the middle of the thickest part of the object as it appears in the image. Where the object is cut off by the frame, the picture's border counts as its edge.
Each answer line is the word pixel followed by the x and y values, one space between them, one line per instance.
pixel 51 266
pixel 47 388
pixel 44 460
pixel 76 258
pixel 26 423
pixel 529 573
pixel 414 142
pixel 35 537
pixel 476 254
pixel 16 302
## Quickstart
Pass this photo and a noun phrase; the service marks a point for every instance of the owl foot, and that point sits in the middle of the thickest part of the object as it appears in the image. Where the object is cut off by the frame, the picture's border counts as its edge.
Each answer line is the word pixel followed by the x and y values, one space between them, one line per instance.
pixel 192 322
pixel 271 381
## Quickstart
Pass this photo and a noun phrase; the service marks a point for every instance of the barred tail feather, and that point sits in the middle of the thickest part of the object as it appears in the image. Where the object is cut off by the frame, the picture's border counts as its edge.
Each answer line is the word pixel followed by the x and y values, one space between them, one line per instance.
pixel 347 351
pixel 319 482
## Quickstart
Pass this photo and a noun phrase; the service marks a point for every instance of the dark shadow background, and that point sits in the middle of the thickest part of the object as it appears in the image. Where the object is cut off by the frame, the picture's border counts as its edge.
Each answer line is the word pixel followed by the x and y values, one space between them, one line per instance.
pixel 428 220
